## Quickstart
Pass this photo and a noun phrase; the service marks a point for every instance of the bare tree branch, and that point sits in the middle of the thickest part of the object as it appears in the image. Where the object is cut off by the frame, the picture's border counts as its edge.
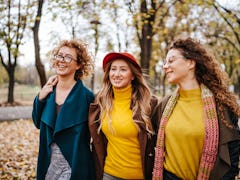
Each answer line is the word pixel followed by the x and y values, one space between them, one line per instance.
pixel 237 36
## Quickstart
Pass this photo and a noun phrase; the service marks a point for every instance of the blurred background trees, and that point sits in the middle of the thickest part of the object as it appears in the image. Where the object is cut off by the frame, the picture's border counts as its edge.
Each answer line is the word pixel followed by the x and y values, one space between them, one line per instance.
pixel 14 21
pixel 144 28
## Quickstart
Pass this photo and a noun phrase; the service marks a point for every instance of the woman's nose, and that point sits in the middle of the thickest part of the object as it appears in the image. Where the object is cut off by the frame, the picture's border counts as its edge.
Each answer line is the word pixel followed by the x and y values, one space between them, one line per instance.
pixel 117 73
pixel 166 65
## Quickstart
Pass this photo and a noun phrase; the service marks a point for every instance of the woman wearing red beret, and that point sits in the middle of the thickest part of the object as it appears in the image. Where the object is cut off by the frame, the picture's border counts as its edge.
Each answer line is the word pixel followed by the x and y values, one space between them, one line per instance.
pixel 120 121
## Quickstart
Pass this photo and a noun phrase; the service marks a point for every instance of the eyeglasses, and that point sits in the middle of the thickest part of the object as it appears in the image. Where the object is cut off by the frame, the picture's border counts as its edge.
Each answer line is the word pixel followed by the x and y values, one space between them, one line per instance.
pixel 66 59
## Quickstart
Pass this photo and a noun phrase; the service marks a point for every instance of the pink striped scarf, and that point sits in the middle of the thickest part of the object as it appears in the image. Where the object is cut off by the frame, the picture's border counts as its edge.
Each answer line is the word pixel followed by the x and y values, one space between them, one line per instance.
pixel 210 145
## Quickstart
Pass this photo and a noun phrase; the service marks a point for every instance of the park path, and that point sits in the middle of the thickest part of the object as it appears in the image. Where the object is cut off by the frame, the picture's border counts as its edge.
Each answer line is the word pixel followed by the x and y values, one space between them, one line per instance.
pixel 22 112
pixel 16 112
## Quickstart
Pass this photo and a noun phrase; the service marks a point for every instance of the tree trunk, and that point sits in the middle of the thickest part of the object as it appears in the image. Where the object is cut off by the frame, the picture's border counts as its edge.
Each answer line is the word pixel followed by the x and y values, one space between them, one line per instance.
pixel 96 37
pixel 146 37
pixel 11 81
pixel 146 47
pixel 38 63
pixel 39 66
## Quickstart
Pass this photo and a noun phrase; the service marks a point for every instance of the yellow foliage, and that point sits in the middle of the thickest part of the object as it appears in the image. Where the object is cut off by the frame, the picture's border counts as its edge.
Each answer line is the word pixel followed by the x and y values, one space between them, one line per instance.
pixel 237 61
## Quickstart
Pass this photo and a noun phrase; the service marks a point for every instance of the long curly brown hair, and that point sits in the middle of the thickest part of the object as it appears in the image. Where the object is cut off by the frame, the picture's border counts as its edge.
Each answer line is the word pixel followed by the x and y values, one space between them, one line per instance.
pixel 141 97
pixel 84 58
pixel 209 72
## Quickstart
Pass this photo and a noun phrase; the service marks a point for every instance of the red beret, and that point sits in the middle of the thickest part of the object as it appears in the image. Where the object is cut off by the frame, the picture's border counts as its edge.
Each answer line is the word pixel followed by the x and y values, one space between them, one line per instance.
pixel 120 55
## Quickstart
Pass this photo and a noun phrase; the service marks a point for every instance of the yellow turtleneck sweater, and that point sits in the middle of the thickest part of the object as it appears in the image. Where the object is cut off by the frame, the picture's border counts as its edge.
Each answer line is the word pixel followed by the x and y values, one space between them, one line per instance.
pixel 123 150
pixel 184 135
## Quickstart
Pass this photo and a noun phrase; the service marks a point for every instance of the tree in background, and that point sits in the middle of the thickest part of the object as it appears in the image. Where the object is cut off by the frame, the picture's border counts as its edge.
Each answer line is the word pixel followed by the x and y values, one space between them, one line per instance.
pixel 146 28
pixel 199 19
pixel 219 28
pixel 95 22
pixel 38 63
pixel 71 16
pixel 13 24
pixel 231 19
pixel 144 15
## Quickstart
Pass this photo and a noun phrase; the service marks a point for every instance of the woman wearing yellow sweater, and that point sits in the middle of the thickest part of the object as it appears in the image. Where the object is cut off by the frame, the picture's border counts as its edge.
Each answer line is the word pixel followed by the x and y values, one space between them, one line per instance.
pixel 120 121
pixel 198 136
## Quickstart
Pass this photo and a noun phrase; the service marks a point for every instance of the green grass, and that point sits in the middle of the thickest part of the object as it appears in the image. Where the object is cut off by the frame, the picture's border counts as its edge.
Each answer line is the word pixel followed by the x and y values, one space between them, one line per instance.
pixel 22 93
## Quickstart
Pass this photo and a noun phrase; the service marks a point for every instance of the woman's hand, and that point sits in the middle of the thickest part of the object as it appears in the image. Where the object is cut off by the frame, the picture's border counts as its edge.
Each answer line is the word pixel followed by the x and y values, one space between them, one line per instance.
pixel 48 87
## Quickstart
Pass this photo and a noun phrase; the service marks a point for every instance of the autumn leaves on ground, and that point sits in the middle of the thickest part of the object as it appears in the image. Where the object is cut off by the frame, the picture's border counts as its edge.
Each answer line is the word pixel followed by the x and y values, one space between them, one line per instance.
pixel 18 149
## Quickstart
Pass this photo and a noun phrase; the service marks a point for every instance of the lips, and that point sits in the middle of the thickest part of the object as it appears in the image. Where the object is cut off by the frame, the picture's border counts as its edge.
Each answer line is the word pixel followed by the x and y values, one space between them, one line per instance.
pixel 60 66
pixel 169 72
pixel 117 81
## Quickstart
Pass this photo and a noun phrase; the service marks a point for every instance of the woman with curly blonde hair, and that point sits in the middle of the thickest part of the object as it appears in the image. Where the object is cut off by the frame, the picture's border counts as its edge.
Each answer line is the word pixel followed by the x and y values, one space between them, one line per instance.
pixel 60 111
pixel 198 136
pixel 120 121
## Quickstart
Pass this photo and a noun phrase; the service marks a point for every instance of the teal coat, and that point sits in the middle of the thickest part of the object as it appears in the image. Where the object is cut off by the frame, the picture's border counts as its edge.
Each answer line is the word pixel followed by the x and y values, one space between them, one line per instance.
pixel 68 129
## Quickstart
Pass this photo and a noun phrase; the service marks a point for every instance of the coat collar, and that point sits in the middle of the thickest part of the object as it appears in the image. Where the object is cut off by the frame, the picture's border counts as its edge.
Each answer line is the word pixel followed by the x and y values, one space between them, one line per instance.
pixel 72 112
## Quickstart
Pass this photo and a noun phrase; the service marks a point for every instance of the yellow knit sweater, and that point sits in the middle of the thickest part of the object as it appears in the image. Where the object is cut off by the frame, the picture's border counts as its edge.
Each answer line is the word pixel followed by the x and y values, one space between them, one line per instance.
pixel 123 150
pixel 184 135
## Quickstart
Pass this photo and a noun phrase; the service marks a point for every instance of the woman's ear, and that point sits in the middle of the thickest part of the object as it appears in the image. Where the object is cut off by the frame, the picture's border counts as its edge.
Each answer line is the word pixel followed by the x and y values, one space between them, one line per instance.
pixel 192 64
pixel 78 67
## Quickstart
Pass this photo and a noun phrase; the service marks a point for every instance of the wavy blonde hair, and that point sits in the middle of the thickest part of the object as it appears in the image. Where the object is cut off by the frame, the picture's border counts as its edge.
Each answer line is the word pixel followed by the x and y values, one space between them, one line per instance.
pixel 84 58
pixel 209 72
pixel 140 102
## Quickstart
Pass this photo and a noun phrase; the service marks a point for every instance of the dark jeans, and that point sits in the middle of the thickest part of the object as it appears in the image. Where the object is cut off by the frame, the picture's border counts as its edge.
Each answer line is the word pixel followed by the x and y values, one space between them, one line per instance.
pixel 169 176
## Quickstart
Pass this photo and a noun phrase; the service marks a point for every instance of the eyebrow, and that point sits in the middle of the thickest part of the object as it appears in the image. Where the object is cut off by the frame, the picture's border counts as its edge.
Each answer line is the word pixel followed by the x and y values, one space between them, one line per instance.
pixel 65 54
pixel 175 56
pixel 120 66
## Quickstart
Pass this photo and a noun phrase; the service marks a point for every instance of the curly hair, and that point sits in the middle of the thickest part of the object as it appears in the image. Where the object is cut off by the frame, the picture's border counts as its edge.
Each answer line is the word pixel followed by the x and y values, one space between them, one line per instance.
pixel 208 72
pixel 141 97
pixel 84 58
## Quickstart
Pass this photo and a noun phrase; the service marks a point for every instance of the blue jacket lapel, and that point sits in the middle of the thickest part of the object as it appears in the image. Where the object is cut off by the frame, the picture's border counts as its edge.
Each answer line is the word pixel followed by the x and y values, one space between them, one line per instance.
pixel 49 113
pixel 74 109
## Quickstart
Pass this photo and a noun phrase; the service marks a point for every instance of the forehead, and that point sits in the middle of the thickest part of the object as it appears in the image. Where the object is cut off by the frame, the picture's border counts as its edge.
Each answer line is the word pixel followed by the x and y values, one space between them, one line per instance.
pixel 68 50
pixel 119 62
pixel 173 53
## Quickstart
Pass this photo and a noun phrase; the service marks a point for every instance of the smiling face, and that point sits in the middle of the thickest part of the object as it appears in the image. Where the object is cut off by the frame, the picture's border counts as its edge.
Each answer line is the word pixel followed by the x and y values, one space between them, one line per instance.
pixel 64 68
pixel 120 74
pixel 178 69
